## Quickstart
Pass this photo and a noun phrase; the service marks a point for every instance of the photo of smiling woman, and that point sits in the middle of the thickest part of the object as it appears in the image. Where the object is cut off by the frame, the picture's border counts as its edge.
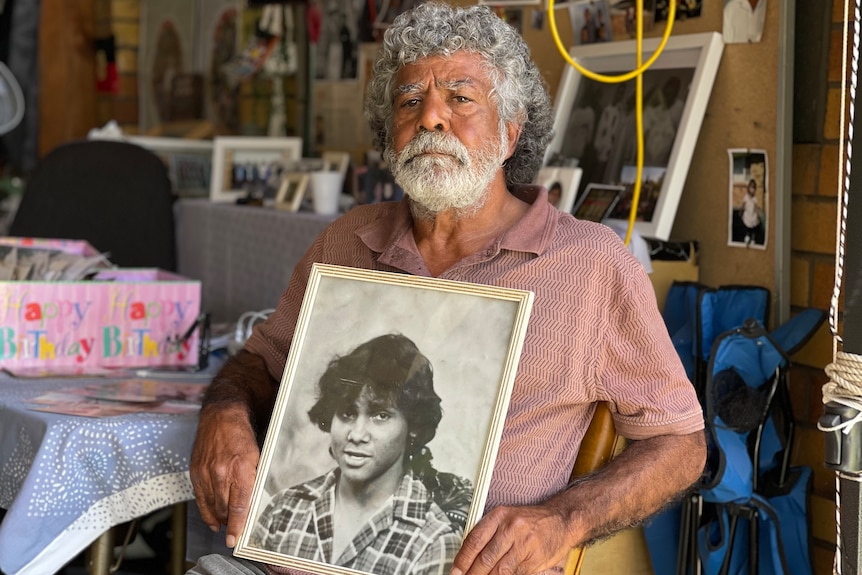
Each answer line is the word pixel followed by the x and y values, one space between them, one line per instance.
pixel 383 508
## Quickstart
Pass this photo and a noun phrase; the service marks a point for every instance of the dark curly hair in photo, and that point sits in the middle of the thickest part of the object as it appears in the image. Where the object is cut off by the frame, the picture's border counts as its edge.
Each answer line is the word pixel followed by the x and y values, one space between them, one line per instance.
pixel 397 374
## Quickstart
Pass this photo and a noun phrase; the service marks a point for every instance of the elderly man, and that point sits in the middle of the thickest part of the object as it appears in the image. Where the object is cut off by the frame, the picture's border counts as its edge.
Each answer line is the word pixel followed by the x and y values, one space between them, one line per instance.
pixel 462 115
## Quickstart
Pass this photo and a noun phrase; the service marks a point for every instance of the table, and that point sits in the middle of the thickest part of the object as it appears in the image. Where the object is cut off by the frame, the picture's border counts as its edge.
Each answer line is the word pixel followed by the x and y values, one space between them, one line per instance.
pixel 65 480
pixel 243 255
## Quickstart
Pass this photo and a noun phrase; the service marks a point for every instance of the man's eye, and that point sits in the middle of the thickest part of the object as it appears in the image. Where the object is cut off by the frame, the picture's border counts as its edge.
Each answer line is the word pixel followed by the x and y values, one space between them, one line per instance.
pixel 383 416
pixel 462 99
pixel 409 103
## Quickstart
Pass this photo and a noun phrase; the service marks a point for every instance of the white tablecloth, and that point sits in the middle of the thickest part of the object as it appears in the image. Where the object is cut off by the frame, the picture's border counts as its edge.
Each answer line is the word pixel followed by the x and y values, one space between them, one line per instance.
pixel 64 480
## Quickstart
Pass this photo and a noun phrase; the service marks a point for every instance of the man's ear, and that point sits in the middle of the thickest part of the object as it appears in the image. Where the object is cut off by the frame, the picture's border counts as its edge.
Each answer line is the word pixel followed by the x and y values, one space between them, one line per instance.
pixel 514 132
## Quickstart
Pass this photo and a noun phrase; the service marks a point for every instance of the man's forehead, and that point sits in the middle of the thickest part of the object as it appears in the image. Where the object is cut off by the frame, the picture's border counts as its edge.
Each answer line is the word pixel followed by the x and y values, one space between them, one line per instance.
pixel 460 69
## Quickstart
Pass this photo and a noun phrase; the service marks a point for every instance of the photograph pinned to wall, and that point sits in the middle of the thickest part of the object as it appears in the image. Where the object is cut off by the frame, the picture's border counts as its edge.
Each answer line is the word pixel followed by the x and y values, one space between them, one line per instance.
pixel 400 361
pixel 684 9
pixel 291 192
pixel 165 51
pixel 562 185
pixel 590 21
pixel 246 166
pixel 624 17
pixel 597 202
pixel 748 196
pixel 742 21
pixel 594 122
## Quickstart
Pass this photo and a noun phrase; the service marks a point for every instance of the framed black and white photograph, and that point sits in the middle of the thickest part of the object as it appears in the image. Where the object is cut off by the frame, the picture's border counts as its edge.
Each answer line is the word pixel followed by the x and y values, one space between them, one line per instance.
pixel 562 185
pixel 379 453
pixel 595 125
pixel 748 195
pixel 243 166
pixel 291 191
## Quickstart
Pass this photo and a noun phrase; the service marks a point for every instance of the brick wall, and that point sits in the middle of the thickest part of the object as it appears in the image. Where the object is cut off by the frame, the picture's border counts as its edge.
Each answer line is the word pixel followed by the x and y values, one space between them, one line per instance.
pixel 813 240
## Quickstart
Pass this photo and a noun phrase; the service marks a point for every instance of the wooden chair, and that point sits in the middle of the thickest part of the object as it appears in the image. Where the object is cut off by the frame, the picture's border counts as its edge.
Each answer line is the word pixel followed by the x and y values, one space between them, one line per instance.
pixel 597 448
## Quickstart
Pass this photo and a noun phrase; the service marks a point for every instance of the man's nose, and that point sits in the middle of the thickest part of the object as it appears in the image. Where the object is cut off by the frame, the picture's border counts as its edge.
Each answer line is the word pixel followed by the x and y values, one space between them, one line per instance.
pixel 434 114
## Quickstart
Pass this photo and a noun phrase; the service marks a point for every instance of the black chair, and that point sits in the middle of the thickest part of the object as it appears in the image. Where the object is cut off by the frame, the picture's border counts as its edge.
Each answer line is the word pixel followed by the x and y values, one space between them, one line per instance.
pixel 113 194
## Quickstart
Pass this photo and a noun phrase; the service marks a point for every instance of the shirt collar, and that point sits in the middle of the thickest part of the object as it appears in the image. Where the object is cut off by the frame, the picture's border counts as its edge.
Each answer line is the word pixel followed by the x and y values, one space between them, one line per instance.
pixel 390 236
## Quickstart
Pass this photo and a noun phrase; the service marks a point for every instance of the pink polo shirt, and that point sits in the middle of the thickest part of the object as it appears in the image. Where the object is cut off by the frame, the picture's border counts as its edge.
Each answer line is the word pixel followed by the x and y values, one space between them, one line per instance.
pixel 594 334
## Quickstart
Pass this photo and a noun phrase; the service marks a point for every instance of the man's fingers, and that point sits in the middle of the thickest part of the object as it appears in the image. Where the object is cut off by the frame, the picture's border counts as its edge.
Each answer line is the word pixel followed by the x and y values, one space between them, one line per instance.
pixel 206 512
pixel 237 514
pixel 476 556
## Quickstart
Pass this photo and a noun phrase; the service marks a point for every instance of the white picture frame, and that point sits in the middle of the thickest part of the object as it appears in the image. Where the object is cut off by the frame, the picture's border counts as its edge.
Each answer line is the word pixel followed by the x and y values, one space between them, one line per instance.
pixel 188 161
pixel 594 122
pixel 336 161
pixel 275 154
pixel 455 331
pixel 568 180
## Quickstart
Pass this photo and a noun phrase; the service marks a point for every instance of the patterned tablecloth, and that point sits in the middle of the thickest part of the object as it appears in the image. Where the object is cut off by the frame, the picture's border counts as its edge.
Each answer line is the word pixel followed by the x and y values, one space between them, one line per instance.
pixel 243 255
pixel 64 480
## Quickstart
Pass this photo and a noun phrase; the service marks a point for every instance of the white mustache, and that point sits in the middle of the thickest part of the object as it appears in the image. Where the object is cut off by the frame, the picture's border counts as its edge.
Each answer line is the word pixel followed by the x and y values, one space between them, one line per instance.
pixel 435 143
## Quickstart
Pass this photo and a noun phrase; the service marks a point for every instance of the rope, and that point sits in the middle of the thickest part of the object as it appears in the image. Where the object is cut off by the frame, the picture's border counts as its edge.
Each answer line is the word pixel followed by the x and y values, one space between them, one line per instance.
pixel 844 387
pixel 845 369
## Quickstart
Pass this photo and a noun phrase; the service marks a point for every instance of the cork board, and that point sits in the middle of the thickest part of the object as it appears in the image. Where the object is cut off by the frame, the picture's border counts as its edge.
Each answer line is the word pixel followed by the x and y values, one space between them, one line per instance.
pixel 742 113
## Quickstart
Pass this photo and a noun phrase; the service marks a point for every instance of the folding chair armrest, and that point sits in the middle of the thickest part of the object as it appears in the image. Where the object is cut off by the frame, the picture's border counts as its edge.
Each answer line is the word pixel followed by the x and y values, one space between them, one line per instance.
pixel 597 448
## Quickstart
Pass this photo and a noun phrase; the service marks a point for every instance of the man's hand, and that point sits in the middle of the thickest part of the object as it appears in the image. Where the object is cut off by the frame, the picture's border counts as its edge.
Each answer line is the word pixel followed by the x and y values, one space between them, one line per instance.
pixel 514 541
pixel 223 465
pixel 638 482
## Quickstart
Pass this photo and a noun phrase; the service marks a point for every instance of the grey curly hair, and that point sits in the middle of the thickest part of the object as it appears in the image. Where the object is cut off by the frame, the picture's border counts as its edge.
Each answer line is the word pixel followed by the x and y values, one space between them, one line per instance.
pixel 434 29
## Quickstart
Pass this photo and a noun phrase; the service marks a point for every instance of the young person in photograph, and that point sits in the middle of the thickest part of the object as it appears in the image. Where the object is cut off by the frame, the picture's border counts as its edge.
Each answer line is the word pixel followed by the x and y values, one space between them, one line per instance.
pixel 743 21
pixel 555 191
pixel 463 117
pixel 750 214
pixel 373 511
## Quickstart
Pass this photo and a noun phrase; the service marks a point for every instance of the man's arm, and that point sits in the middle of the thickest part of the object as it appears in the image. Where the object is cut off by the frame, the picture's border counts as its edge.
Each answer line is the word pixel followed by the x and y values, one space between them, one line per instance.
pixel 646 476
pixel 234 416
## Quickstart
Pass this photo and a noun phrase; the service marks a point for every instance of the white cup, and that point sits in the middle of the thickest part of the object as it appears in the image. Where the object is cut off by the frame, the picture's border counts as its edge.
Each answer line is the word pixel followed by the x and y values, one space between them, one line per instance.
pixel 325 190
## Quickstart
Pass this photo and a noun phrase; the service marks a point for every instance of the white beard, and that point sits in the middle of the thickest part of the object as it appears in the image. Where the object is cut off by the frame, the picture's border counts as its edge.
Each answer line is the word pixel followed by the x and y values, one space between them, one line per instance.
pixel 456 179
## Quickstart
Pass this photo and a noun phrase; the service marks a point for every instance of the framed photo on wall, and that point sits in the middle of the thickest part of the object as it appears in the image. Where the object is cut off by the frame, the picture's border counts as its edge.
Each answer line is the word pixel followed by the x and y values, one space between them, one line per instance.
pixel 243 165
pixel 594 122
pixel 372 398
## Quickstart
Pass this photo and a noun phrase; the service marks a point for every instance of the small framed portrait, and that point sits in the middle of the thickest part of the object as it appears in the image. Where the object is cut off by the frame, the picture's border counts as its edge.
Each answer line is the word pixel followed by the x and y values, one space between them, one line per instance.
pixel 378 458
pixel 562 185
pixel 597 202
pixel 595 123
pixel 243 166
pixel 291 191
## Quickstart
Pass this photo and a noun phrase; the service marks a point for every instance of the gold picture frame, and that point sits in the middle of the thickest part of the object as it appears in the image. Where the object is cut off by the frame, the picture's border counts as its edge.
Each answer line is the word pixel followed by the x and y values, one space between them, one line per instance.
pixel 291 191
pixel 456 332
